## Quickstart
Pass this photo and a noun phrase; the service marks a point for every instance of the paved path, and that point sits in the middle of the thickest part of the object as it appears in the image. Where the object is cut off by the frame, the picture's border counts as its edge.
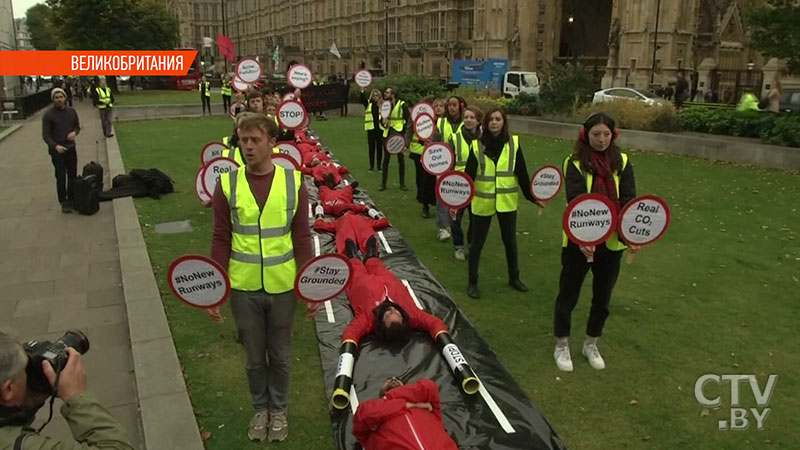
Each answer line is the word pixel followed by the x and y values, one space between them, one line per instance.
pixel 61 271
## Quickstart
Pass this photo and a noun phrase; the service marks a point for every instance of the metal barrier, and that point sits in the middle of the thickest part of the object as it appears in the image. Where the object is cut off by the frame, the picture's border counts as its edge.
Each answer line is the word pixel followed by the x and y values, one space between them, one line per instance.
pixel 710 105
pixel 30 104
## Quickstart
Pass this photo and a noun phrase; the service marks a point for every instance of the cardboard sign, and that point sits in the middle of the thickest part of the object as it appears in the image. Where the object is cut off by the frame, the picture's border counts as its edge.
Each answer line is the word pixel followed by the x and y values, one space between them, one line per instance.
pixel 323 278
pixel 198 281
pixel 236 108
pixel 644 220
pixel 386 109
pixel 285 161
pixel 424 126
pixel 199 189
pixel 395 144
pixel 248 70
pixel 546 183
pixel 291 114
pixel 437 158
pixel 299 76
pixel 291 150
pixel 287 96
pixel 239 84
pixel 455 189
pixel 422 107
pixel 211 151
pixel 214 169
pixel 590 219
pixel 363 78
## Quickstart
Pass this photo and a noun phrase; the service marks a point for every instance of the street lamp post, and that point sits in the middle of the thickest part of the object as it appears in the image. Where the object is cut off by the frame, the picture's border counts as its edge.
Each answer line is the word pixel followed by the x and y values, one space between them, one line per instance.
pixel 655 44
pixel 224 32
pixel 386 38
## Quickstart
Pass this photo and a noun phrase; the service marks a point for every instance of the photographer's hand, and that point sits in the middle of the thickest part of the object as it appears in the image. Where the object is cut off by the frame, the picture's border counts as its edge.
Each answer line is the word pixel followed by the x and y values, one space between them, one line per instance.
pixel 72 380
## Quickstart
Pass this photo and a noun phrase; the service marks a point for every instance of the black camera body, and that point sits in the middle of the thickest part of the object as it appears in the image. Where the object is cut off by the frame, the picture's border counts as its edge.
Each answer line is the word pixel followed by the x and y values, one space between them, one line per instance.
pixel 53 352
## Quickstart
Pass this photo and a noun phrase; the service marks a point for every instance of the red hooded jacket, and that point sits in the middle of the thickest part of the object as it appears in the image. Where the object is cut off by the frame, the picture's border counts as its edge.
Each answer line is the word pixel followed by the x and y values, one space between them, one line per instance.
pixel 337 201
pixel 388 424
pixel 319 171
pixel 352 226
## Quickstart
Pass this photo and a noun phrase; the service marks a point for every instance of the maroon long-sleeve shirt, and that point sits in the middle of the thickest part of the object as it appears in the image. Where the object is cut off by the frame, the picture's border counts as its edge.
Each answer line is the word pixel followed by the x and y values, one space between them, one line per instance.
pixel 260 186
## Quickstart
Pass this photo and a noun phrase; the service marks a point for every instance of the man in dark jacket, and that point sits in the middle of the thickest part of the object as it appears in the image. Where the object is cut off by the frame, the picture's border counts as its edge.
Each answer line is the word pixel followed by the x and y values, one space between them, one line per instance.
pixel 60 126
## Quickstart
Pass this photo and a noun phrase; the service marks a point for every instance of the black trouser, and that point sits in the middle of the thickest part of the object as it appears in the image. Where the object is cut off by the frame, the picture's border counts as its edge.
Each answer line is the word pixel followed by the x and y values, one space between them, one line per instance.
pixel 457 231
pixel 206 103
pixel 426 183
pixel 375 145
pixel 479 226
pixel 66 170
pixel 401 161
pixel 226 103
pixel 605 270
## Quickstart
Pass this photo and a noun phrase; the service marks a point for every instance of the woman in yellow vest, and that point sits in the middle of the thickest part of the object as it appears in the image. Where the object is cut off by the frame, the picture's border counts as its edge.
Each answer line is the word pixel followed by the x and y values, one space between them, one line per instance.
pixel 205 94
pixel 425 182
pixel 226 93
pixel 399 122
pixel 464 142
pixel 596 166
pixel 372 125
pixel 498 168
pixel 446 126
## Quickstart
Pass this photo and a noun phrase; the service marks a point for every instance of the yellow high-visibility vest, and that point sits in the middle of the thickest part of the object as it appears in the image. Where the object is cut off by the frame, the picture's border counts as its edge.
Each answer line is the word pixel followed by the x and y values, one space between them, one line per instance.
pixel 396 120
pixel 104 97
pixel 496 187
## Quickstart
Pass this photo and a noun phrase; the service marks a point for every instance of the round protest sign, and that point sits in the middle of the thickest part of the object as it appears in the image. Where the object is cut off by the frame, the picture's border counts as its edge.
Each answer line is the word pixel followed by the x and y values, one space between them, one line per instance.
pixel 424 126
pixel 644 220
pixel 363 78
pixel 437 158
pixel 299 76
pixel 386 109
pixel 455 189
pixel 422 107
pixel 212 150
pixel 198 281
pixel 322 278
pixel 199 189
pixel 589 219
pixel 291 114
pixel 248 70
pixel 285 161
pixel 304 124
pixel 546 183
pixel 237 106
pixel 239 84
pixel 287 96
pixel 395 144
pixel 291 150
pixel 214 169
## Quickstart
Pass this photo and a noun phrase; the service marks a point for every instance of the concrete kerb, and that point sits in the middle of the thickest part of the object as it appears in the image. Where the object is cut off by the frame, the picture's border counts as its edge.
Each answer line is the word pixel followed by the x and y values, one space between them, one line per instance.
pixel 148 112
pixel 157 370
pixel 9 131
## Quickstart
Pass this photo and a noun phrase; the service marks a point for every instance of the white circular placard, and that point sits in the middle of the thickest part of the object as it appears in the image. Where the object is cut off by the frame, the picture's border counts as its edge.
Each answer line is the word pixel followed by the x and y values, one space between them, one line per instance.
pixel 214 169
pixel 455 189
pixel 248 70
pixel 291 150
pixel 422 107
pixel 285 161
pixel 212 150
pixel 299 76
pixel 287 96
pixel 323 278
pixel 199 189
pixel 437 158
pixel 363 78
pixel 424 126
pixel 546 183
pixel 644 219
pixel 291 114
pixel 239 84
pixel 589 219
pixel 386 109
pixel 198 281
pixel 395 144
pixel 237 106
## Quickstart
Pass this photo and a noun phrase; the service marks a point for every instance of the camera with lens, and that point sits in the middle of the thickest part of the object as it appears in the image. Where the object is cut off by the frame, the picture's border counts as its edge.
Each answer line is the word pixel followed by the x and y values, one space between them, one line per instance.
pixel 53 352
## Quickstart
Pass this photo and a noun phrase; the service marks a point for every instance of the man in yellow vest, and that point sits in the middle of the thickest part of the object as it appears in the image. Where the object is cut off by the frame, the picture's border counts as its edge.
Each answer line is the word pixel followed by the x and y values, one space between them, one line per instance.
pixel 204 87
pixel 399 122
pixel 103 99
pixel 261 237
pixel 226 93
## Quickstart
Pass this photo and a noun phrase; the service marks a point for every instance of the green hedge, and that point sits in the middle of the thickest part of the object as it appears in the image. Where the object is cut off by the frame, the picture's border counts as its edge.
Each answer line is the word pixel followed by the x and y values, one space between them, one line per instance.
pixel 770 128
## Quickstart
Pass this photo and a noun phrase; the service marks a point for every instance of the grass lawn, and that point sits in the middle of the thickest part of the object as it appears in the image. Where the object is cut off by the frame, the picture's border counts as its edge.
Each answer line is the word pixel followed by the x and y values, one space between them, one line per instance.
pixel 163 97
pixel 716 295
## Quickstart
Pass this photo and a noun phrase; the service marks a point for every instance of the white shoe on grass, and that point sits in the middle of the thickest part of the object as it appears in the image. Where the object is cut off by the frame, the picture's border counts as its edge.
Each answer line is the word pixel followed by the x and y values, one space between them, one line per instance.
pixel 592 354
pixel 563 358
pixel 460 255
pixel 444 234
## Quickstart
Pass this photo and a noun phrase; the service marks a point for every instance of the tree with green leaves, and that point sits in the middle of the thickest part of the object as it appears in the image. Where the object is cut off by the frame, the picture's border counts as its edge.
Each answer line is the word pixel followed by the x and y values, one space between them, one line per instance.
pixel 774 30
pixel 38 19
pixel 566 87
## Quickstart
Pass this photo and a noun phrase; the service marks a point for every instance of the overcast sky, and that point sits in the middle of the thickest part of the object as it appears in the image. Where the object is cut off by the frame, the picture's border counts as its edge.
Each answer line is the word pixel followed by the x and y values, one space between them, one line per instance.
pixel 20 6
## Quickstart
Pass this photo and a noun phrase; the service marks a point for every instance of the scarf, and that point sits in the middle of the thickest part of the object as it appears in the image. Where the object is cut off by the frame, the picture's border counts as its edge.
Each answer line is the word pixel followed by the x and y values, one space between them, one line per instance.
pixel 604 177
pixel 494 145
pixel 470 135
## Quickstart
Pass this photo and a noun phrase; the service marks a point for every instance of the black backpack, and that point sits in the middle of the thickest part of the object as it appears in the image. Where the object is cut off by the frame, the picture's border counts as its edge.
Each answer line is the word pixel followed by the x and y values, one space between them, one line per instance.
pixel 94 169
pixel 86 199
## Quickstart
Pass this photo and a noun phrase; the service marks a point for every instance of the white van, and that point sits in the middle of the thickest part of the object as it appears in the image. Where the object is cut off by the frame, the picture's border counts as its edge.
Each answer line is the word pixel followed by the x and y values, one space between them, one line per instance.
pixel 516 82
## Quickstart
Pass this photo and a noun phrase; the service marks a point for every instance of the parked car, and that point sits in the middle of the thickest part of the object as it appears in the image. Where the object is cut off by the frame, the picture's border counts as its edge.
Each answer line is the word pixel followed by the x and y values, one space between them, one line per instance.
pixel 624 93
pixel 790 101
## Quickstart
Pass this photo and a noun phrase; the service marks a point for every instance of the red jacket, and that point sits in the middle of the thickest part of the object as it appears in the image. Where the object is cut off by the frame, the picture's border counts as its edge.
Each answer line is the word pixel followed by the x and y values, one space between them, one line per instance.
pixel 321 169
pixel 371 280
pixel 338 201
pixel 308 157
pixel 352 226
pixel 387 424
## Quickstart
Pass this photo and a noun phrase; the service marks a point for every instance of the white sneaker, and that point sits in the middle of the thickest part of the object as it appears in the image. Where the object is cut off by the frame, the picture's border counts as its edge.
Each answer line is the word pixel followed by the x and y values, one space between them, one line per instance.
pixel 460 254
pixel 563 359
pixel 591 353
pixel 444 234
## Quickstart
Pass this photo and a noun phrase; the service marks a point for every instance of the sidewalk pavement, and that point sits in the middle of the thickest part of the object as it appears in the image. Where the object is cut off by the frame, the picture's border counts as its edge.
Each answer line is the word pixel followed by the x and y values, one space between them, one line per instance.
pixel 62 271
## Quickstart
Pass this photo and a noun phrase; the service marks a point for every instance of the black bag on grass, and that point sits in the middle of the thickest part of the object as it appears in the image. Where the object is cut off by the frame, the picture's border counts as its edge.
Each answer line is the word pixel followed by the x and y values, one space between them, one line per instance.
pixel 86 199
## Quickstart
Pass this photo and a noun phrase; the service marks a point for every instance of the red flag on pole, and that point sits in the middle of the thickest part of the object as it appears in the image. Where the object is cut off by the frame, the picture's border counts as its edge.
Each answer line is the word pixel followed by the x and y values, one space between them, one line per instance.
pixel 226 47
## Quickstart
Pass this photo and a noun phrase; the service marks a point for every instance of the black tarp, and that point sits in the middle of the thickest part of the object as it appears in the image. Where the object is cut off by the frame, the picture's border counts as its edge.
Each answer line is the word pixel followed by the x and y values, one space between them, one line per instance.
pixel 469 419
